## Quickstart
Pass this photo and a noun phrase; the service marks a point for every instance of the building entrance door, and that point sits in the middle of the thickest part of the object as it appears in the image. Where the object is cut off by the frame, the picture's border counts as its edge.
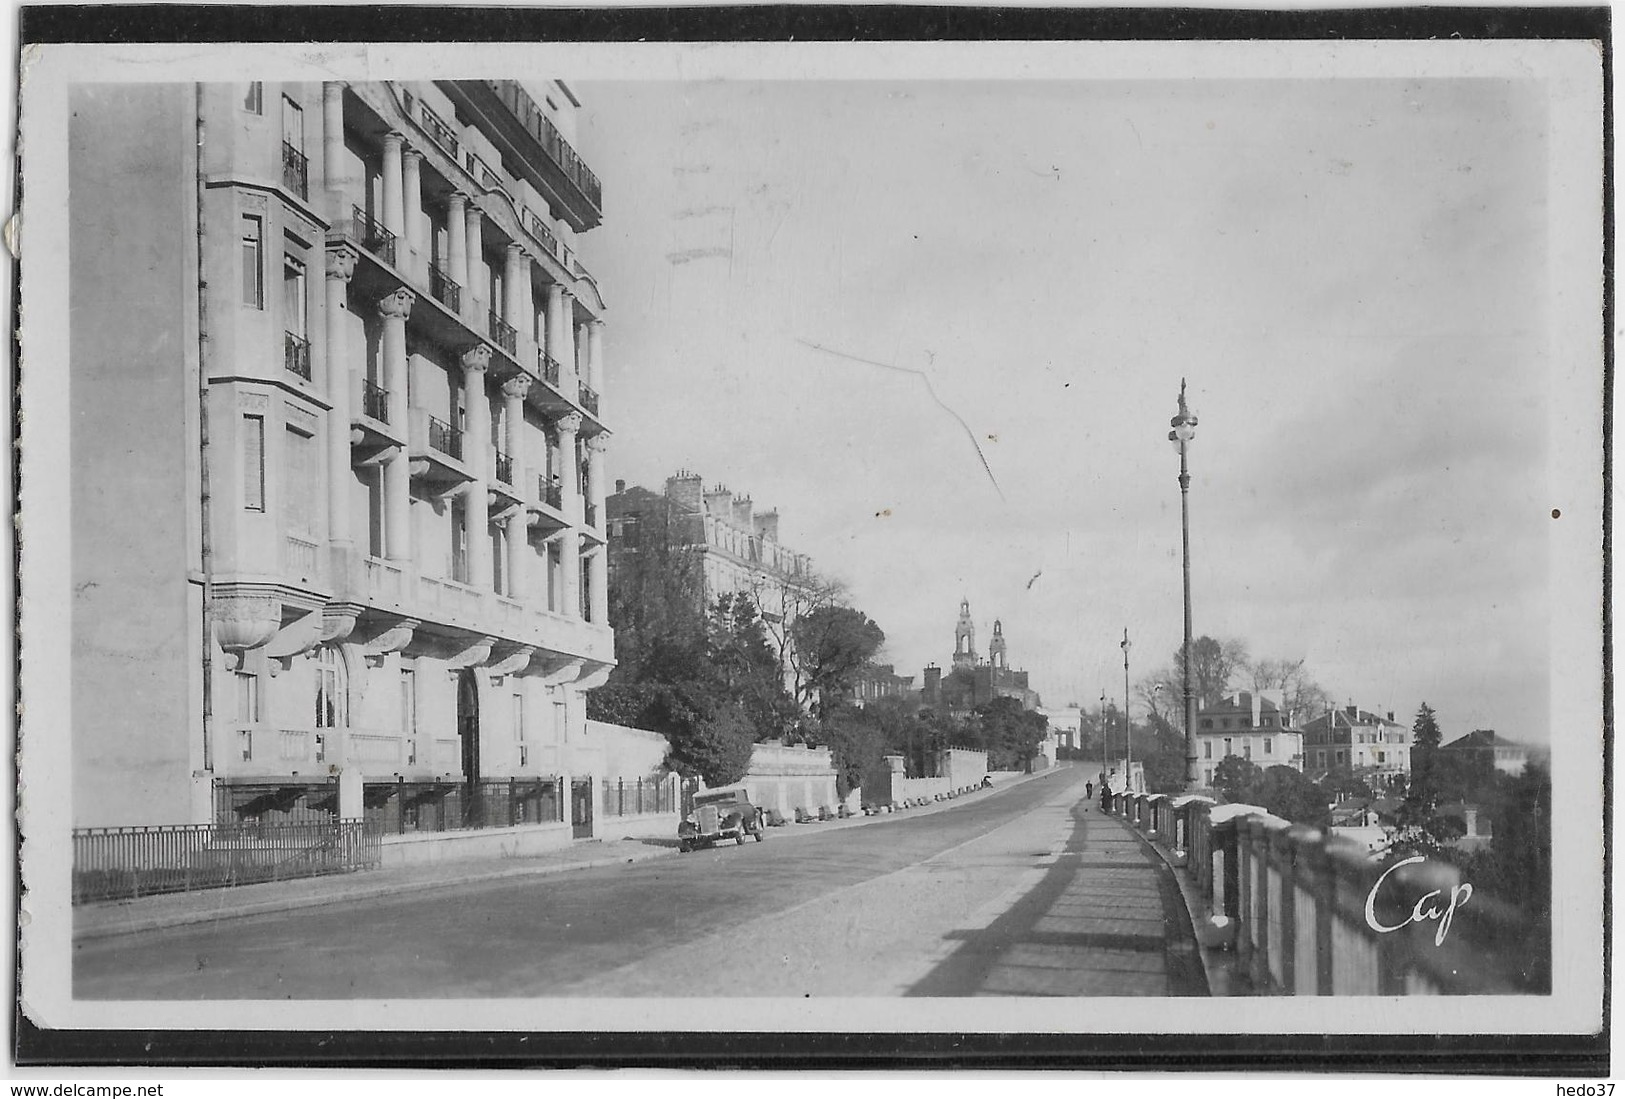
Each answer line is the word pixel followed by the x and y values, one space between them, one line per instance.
pixel 468 735
pixel 581 807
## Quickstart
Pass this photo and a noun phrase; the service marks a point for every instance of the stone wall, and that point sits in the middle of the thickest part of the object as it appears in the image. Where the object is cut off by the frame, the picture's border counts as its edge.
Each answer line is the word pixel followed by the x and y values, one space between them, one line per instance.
pixel 786 778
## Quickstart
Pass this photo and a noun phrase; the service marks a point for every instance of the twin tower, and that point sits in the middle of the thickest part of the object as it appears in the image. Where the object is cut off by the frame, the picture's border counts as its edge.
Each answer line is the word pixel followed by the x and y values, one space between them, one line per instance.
pixel 965 642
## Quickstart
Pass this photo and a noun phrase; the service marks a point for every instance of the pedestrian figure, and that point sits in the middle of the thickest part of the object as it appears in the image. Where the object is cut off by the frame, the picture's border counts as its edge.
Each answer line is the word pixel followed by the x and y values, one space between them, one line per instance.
pixel 1089 790
pixel 1105 798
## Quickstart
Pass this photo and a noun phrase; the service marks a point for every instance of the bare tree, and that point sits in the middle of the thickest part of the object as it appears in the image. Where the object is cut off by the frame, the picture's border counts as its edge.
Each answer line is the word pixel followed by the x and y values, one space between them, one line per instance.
pixel 1302 697
pixel 782 600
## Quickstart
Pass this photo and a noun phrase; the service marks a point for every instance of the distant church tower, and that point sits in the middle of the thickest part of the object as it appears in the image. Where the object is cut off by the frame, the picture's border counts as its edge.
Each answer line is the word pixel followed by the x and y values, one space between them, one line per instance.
pixel 995 648
pixel 964 637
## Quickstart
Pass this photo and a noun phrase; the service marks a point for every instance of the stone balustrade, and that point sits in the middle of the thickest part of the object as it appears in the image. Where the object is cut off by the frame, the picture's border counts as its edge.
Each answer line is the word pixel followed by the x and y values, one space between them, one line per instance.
pixel 1286 910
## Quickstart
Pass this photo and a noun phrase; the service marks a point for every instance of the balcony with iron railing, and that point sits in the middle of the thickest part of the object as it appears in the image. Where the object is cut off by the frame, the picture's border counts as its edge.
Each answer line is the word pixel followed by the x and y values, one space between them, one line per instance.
pixel 371 235
pixel 589 398
pixel 503 334
pixel 440 133
pixel 543 157
pixel 436 450
pixel 546 508
pixel 548 367
pixel 296 355
pixel 502 467
pixel 444 290
pixel 295 171
pixel 446 439
pixel 375 401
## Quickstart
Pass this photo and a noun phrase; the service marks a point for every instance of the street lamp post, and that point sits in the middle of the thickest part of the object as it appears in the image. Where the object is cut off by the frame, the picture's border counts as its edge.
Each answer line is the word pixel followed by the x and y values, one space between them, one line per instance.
pixel 1184 430
pixel 1128 729
pixel 1105 741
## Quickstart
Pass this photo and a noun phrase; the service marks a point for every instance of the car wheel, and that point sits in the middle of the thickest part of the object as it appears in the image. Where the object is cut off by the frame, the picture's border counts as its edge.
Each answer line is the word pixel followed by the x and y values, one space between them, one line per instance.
pixel 741 837
pixel 759 836
pixel 684 847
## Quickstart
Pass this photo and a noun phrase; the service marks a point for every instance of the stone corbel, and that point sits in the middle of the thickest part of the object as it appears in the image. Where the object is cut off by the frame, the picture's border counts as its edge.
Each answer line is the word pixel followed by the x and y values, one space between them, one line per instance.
pixel 391 640
pixel 338 621
pixel 514 662
pixel 555 674
pixel 299 636
pixel 242 623
pixel 472 654
pixel 506 513
pixel 594 678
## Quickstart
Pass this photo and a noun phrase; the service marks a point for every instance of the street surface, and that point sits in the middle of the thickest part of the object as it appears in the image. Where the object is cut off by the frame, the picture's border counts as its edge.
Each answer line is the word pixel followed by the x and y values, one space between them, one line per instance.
pixel 1022 892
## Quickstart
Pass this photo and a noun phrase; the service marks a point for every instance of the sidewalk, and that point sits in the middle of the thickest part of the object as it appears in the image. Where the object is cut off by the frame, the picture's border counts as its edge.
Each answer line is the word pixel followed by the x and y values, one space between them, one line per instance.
pixel 204 906
pixel 1106 920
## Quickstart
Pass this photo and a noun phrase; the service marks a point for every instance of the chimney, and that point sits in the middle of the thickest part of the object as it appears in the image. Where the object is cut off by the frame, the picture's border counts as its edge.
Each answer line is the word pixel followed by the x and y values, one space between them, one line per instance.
pixel 620 485
pixel 684 490
pixel 719 501
pixel 1258 707
pixel 1352 712
pixel 767 525
pixel 742 513
pixel 1390 715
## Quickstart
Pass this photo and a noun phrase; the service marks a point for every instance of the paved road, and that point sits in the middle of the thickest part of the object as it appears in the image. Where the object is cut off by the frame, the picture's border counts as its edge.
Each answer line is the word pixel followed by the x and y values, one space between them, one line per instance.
pixel 1020 892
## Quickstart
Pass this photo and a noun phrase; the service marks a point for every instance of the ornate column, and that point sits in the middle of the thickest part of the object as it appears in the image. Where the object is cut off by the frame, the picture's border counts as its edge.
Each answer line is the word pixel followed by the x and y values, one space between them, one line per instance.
pixel 393 208
pixel 340 384
pixel 583 352
pixel 476 443
pixel 559 343
pixel 474 290
pixel 598 567
pixel 595 357
pixel 412 215
pixel 513 304
pixel 394 309
pixel 570 539
pixel 333 158
pixel 513 396
pixel 457 246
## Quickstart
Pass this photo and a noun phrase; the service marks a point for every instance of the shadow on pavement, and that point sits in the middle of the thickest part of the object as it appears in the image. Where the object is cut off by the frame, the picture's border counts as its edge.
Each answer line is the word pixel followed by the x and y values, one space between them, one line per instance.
pixel 1106 920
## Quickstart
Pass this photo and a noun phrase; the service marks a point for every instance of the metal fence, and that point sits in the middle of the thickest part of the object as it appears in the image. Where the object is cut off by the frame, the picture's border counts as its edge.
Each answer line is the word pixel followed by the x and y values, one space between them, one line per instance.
pixel 118 863
pixel 242 803
pixel 396 808
pixel 634 797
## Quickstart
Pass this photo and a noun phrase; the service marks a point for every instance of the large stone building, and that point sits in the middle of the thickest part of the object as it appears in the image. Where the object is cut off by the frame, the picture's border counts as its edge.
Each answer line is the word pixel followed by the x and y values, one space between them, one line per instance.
pixel 738 547
pixel 1371 744
pixel 337 451
pixel 1250 725
pixel 972 681
pixel 1490 750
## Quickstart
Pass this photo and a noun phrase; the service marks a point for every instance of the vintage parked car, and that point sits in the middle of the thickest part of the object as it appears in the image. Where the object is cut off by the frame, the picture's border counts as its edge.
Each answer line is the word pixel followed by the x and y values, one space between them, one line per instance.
pixel 721 815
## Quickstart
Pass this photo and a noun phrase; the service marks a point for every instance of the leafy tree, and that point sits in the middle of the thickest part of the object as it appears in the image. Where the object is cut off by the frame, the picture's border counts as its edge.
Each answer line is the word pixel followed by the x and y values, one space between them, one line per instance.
pixel 1010 733
pixel 1289 794
pixel 1344 779
pixel 715 746
pixel 1214 664
pixel 745 669
pixel 1236 779
pixel 1423 795
pixel 832 645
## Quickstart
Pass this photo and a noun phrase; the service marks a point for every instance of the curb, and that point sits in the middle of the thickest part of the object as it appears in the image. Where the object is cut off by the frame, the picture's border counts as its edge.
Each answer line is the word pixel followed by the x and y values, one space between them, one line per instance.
pixel 361 892
pixel 365 890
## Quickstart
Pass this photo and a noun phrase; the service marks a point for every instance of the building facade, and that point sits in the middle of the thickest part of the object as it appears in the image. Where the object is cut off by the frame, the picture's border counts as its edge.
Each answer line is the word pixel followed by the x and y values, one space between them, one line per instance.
pixel 1487 749
pixel 1369 743
pixel 972 681
pixel 738 548
pixel 339 457
pixel 1251 725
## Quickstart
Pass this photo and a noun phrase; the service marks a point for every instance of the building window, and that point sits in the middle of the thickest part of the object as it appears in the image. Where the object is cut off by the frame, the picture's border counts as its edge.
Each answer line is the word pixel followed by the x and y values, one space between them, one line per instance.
pixel 1269 746
pixel 459 541
pixel 1208 777
pixel 248 697
pixel 1207 749
pixel 1382 757
pixel 409 713
pixel 321 747
pixel 299 481
pixel 254 463
pixel 1228 751
pixel 253 248
pixel 293 125
pixel 1207 723
pixel 518 716
pixel 245 744
pixel 1340 755
pixel 293 298
pixel 254 97
pixel 499 558
pixel 1225 723
pixel 1247 748
pixel 330 689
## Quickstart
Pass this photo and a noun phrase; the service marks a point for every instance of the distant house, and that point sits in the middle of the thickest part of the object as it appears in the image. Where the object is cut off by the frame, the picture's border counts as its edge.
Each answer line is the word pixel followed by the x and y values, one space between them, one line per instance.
pixel 1361 740
pixel 1507 756
pixel 1251 725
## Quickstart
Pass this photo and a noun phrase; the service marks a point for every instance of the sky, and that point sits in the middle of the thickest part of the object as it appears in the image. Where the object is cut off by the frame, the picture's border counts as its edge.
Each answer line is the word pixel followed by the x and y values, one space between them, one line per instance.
pixel 941 327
